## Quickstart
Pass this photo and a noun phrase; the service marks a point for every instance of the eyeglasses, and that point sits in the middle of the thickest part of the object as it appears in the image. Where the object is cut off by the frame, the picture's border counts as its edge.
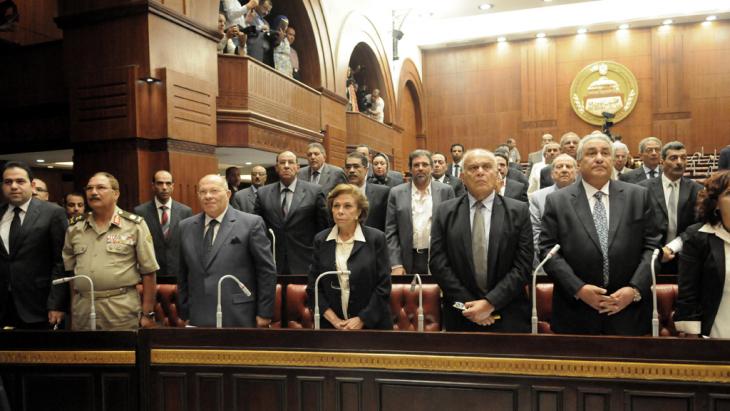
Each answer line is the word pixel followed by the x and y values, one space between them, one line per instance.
pixel 41 190
pixel 97 188
pixel 212 191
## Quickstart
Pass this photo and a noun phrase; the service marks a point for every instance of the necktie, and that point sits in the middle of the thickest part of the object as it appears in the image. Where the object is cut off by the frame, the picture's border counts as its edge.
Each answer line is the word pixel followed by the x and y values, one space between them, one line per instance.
pixel 456 170
pixel 652 173
pixel 165 221
pixel 479 247
pixel 601 222
pixel 672 212
pixel 284 203
pixel 315 177
pixel 14 230
pixel 208 240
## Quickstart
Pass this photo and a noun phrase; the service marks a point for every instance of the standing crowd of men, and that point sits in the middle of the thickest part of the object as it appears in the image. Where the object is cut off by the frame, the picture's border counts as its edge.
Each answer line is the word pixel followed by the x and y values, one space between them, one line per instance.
pixel 477 224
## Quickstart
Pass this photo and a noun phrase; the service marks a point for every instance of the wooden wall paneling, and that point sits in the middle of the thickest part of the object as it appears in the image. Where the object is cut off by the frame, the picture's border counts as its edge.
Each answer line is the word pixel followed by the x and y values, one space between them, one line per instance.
pixel 335 142
pixel 209 389
pixel 411 114
pixel 187 168
pixel 172 392
pixel 332 110
pixel 672 119
pixel 118 157
pixel 118 392
pixel 666 401
pixel 349 393
pixel 38 388
pixel 445 395
pixel 719 402
pixel 593 399
pixel 191 110
pixel 311 393
pixel 362 129
pixel 253 392
pixel 103 104
pixel 149 160
pixel 409 121
pixel 547 398
pixel 36 23
pixel 59 182
pixel 538 81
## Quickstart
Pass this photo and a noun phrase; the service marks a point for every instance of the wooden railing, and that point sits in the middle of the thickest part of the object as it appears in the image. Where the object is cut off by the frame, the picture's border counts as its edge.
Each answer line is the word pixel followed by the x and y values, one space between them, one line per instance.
pixel 362 129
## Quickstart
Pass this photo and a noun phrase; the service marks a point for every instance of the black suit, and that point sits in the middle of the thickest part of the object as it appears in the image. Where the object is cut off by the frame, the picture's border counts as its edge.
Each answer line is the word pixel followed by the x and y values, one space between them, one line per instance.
pixel 450 169
pixel 378 198
pixel 167 250
pixel 701 279
pixel 509 262
pixel 546 177
pixel 455 183
pixel 244 200
pixel 632 237
pixel 307 216
pixel 688 191
pixel 515 189
pixel 369 280
pixel 724 161
pixel 33 263
pixel 638 175
pixel 515 174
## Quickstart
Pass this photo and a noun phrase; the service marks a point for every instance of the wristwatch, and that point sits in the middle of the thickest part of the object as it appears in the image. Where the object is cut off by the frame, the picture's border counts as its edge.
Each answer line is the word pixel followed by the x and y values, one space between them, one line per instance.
pixel 150 315
pixel 637 295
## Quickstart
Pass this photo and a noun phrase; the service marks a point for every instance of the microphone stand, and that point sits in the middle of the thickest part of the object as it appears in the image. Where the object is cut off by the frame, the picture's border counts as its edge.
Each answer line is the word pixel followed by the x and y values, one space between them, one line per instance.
pixel 417 278
pixel 316 294
pixel 92 311
pixel 654 313
pixel 219 309
pixel 549 255
pixel 273 244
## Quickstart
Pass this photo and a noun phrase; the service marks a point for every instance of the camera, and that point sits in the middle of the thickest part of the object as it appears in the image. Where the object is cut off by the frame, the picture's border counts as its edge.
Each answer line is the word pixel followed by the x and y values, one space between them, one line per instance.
pixel 250 31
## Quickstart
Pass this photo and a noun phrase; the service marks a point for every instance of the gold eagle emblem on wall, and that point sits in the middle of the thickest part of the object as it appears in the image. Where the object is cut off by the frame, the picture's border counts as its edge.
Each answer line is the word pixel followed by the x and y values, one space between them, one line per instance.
pixel 604 87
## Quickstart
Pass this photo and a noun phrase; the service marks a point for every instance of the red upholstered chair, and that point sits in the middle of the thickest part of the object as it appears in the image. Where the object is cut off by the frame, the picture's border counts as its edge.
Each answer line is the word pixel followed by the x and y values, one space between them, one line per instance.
pixel 404 306
pixel 544 293
pixel 166 307
pixel 298 314
pixel 666 301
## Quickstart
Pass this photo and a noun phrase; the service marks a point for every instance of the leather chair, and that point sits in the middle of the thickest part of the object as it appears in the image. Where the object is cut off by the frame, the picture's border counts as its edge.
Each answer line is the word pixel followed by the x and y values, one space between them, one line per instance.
pixel 404 306
pixel 298 314
pixel 666 303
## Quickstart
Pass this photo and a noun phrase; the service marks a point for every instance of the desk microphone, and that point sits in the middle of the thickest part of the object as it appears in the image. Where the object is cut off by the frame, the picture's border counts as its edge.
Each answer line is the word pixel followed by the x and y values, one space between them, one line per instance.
pixel 654 313
pixel 549 255
pixel 92 311
pixel 417 279
pixel 316 294
pixel 273 245
pixel 219 309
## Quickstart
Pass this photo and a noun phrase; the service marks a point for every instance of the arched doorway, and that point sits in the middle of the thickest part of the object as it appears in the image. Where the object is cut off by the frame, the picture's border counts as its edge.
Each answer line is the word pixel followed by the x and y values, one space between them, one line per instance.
pixel 308 48
pixel 365 70
pixel 411 116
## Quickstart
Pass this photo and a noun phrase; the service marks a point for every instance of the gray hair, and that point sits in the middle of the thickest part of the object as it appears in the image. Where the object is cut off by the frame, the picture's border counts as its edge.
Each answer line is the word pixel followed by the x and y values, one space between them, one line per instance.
pixel 589 138
pixel 566 135
pixel 360 156
pixel 419 153
pixel 643 142
pixel 544 148
pixel 478 151
pixel 619 145
pixel 317 145
pixel 566 157
pixel 672 145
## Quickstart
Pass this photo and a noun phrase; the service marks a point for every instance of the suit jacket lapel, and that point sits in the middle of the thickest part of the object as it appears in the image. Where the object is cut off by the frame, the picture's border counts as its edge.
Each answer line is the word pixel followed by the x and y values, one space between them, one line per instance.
pixel 198 237
pixel 463 226
pixel 658 190
pixel 3 251
pixel 435 197
pixel 297 197
pixel 30 217
pixel 616 205
pixel 583 210
pixel 328 255
pixel 224 231
pixel 717 248
pixel 496 232
pixel 156 227
pixel 685 186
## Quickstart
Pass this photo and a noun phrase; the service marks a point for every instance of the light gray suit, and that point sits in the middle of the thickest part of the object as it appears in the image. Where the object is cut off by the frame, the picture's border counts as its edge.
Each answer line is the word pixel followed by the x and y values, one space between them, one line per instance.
pixel 399 220
pixel 329 176
pixel 240 248
pixel 245 200
pixel 537 207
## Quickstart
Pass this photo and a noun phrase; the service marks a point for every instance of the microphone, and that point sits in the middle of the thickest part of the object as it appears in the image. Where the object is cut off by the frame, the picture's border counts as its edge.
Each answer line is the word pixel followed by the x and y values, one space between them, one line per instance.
pixel 417 278
pixel 654 313
pixel 273 245
pixel 549 255
pixel 92 311
pixel 316 294
pixel 219 309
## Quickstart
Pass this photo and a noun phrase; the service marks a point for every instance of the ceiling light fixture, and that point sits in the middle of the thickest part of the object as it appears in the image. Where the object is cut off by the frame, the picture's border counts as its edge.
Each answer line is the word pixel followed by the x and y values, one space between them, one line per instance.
pixel 667 22
pixel 40 160
pixel 540 35
pixel 624 26
pixel 502 39
pixel 582 30
pixel 711 18
pixel 485 6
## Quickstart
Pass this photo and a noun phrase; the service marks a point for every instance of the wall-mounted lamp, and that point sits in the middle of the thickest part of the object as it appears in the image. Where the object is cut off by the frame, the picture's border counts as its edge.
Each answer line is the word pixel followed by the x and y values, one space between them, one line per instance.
pixel 150 80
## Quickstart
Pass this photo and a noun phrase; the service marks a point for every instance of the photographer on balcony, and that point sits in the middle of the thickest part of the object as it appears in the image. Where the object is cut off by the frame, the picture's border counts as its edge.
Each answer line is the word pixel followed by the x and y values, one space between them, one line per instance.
pixel 256 28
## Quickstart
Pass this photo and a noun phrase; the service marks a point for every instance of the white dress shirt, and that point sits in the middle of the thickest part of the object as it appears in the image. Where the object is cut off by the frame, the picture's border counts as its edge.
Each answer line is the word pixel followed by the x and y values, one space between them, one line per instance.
pixel 534 180
pixel 8 219
pixel 168 204
pixel 343 249
pixel 217 227
pixel 421 210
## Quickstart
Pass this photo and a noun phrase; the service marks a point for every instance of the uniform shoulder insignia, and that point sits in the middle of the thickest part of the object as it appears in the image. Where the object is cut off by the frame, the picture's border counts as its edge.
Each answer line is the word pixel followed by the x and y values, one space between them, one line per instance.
pixel 76 219
pixel 131 217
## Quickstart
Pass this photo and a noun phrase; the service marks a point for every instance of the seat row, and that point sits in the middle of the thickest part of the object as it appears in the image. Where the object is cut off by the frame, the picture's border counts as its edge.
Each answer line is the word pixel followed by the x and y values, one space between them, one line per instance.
pixel 291 308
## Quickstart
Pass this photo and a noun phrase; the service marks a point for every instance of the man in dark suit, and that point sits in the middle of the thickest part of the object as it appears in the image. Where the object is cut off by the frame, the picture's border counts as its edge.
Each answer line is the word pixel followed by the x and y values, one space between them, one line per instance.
pixel 162 216
pixel 408 220
pixel 296 211
pixel 439 174
pixel 538 156
pixel 511 188
pixel 649 149
pixel 673 199
pixel 356 165
pixel 455 167
pixel 482 253
pixel 32 234
pixel 606 232
pixel 245 200
pixel 318 171
pixel 220 241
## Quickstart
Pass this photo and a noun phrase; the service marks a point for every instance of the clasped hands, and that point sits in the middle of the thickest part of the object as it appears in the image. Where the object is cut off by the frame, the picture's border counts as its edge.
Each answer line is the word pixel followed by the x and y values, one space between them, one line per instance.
pixel 606 304
pixel 354 323
pixel 479 311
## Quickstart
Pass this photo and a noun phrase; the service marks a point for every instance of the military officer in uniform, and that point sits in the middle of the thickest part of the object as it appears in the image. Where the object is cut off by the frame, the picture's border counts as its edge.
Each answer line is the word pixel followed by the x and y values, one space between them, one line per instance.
pixel 114 248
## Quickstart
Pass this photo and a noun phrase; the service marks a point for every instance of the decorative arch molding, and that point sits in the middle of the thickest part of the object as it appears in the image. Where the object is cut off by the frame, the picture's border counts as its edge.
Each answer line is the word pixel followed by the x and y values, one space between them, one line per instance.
pixel 321 38
pixel 410 78
pixel 356 29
